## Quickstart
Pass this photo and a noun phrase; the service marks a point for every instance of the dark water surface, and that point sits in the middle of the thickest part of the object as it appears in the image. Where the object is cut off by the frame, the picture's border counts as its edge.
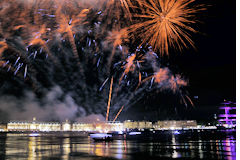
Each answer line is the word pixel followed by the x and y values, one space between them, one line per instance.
pixel 72 147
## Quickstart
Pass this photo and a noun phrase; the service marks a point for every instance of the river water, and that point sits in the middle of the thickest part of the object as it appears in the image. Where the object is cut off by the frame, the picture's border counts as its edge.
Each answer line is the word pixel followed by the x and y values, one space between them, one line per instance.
pixel 72 147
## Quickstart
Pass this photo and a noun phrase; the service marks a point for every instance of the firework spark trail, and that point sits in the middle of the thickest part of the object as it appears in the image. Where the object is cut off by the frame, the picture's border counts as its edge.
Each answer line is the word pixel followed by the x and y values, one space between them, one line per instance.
pixel 116 10
pixel 16 66
pixel 128 66
pixel 4 63
pixel 118 113
pixel 190 100
pixel 117 38
pixel 66 26
pixel 103 84
pixel 165 24
pixel 39 36
pixel 109 99
pixel 176 82
pixel 38 41
pixel 139 80
pixel 3 47
pixel 166 80
pixel 184 101
pixel 160 76
pixel 25 72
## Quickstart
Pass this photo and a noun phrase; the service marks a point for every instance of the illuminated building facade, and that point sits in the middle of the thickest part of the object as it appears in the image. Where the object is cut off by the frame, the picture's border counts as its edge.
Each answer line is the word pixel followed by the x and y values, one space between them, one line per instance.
pixel 115 126
pixel 145 125
pixel 96 127
pixel 137 125
pixel 66 126
pixel 33 126
pixel 82 127
pixel 172 124
pixel 227 116
pixel 130 124
pixel 175 124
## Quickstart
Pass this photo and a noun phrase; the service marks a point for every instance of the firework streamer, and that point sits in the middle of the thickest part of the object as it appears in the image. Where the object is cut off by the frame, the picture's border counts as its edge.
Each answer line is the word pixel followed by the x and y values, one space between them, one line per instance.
pixel 103 84
pixel 109 99
pixel 3 47
pixel 190 100
pixel 118 113
pixel 25 72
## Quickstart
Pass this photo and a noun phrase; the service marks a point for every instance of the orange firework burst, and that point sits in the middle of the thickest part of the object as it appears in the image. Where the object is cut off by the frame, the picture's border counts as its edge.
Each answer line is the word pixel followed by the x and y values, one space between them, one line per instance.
pixel 165 24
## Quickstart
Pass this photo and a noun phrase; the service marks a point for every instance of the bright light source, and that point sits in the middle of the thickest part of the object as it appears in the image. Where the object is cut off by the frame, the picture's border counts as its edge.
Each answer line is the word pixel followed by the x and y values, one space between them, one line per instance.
pixel 134 133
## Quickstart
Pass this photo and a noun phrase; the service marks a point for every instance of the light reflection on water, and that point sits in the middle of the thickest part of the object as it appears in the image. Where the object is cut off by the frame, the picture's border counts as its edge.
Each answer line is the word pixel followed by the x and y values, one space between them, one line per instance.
pixel 22 147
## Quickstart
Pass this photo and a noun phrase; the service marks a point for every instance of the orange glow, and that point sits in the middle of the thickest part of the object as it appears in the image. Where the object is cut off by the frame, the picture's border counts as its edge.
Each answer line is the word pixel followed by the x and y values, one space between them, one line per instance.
pixel 128 66
pixel 117 38
pixel 161 75
pixel 3 46
pixel 109 99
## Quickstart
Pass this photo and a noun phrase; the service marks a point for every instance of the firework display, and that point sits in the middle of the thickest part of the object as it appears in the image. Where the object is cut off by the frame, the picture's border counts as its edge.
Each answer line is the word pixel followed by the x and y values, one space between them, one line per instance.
pixel 101 52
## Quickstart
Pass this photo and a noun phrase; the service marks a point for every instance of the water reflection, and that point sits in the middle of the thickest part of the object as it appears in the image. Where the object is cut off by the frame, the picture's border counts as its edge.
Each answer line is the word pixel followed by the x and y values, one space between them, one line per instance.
pixel 32 148
pixel 23 146
pixel 175 154
pixel 66 148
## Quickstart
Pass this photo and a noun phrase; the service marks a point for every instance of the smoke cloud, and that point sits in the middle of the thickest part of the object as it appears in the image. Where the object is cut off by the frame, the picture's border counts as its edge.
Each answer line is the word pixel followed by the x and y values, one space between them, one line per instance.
pixel 53 107
pixel 91 118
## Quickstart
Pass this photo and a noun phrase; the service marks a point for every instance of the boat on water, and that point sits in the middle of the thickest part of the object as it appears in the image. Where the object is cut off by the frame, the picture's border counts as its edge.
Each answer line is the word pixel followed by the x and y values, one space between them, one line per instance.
pixel 101 137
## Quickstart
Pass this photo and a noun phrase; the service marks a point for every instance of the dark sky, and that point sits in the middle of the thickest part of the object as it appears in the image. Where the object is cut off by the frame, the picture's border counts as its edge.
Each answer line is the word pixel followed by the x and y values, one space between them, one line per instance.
pixel 211 69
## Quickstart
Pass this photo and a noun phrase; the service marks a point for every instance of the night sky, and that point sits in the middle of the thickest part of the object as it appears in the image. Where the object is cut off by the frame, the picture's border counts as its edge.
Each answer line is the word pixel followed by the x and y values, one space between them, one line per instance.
pixel 210 70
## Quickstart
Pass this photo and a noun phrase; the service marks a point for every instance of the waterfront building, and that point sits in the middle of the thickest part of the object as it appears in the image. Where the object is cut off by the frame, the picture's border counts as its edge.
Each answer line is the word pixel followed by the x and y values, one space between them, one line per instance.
pixel 128 124
pixel 144 125
pixel 115 126
pixel 108 126
pixel 137 125
pixel 82 127
pixel 98 127
pixel 66 126
pixel 172 124
pixel 49 126
pixel 21 126
pixel 33 126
